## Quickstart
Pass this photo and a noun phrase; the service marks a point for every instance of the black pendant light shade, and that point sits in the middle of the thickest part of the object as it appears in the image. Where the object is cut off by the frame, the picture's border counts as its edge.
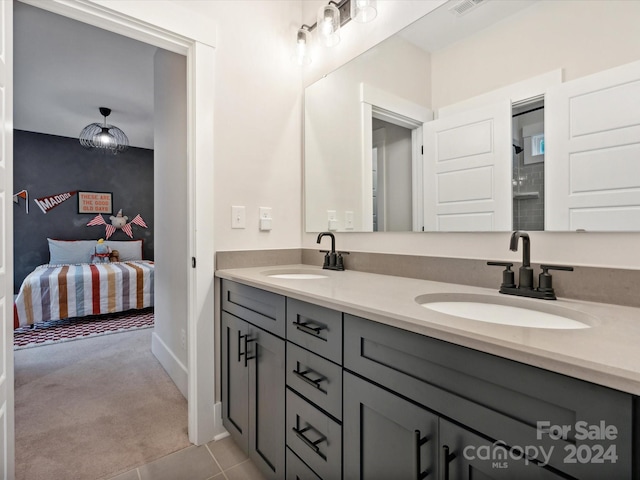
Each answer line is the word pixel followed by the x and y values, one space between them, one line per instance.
pixel 108 138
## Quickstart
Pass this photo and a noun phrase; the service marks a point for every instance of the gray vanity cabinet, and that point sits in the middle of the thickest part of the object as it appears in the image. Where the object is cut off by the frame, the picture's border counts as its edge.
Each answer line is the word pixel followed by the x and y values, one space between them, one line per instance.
pixel 386 436
pixel 253 377
pixel 365 400
pixel 513 404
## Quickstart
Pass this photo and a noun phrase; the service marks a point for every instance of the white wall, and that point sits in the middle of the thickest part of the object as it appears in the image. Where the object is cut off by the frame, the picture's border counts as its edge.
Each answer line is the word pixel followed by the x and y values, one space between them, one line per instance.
pixel 171 201
pixel 258 116
pixel 593 249
pixel 544 39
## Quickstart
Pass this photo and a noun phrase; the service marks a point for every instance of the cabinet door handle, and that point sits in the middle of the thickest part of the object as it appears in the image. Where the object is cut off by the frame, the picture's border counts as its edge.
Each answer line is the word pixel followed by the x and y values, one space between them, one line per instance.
pixel 306 328
pixel 240 352
pixel 314 383
pixel 445 458
pixel 311 444
pixel 247 340
pixel 418 441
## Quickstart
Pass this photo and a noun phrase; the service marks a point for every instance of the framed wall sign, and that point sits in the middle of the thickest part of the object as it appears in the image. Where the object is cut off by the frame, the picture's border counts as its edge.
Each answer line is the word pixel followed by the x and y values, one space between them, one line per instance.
pixel 95 202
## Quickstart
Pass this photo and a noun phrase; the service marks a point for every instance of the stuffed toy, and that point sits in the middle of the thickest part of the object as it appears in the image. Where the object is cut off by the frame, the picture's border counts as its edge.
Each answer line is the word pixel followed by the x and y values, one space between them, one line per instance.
pixel 119 220
pixel 114 256
pixel 102 252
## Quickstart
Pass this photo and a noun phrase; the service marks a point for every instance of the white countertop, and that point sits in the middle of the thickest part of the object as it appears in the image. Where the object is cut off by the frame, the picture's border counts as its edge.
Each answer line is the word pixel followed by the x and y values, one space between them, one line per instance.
pixel 608 353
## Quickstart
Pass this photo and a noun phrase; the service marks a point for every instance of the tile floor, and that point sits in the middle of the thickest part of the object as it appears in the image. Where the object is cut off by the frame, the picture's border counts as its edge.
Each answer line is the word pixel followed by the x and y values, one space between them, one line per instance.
pixel 221 460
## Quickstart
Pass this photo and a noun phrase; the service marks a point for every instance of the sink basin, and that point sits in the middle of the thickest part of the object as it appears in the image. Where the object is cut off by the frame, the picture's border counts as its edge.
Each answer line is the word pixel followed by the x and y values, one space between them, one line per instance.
pixel 507 311
pixel 297 274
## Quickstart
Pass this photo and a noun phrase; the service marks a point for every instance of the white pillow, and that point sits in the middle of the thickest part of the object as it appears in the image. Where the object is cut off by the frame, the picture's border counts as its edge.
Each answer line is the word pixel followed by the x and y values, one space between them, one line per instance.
pixel 129 249
pixel 70 251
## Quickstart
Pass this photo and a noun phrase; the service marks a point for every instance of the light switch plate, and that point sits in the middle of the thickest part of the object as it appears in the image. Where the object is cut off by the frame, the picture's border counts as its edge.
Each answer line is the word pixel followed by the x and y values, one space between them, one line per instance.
pixel 238 217
pixel 348 220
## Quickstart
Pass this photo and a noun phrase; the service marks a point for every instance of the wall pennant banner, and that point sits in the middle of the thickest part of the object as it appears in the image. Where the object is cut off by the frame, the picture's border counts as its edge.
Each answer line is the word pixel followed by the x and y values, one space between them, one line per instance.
pixel 24 195
pixel 52 201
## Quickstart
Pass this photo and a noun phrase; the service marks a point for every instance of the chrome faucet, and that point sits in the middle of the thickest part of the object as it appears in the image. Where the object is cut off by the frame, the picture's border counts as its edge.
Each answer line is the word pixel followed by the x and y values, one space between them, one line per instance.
pixel 526 287
pixel 332 260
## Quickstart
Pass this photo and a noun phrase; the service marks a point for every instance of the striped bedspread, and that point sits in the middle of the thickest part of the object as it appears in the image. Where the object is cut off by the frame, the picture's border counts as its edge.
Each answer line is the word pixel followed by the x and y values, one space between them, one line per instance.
pixel 54 292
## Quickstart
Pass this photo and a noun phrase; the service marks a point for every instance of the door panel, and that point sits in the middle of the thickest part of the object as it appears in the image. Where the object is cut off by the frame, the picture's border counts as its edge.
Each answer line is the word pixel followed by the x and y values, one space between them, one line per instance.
pixel 592 136
pixel 467 171
pixel 235 374
pixel 385 436
pixel 471 457
pixel 7 465
pixel 266 357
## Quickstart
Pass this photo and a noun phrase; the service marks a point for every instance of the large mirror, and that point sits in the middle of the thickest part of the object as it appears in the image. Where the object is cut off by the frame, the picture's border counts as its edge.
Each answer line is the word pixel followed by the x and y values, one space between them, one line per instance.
pixel 506 115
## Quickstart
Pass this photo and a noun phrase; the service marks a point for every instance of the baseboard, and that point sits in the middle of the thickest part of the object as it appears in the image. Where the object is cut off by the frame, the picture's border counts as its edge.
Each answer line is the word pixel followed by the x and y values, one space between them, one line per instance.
pixel 172 365
pixel 220 431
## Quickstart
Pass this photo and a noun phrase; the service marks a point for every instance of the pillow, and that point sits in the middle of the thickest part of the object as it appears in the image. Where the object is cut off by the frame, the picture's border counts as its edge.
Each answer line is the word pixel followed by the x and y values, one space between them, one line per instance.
pixel 70 251
pixel 129 249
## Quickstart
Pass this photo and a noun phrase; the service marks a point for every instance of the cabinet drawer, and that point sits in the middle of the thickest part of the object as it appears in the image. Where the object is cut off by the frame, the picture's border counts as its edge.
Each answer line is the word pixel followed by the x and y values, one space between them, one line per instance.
pixel 297 469
pixel 501 398
pixel 314 437
pixel 315 378
pixel 264 309
pixel 315 328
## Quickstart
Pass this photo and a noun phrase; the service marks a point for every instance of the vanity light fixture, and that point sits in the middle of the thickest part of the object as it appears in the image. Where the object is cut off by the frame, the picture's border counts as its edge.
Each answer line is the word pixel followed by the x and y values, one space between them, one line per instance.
pixel 301 54
pixel 328 24
pixel 108 138
pixel 363 11
pixel 330 19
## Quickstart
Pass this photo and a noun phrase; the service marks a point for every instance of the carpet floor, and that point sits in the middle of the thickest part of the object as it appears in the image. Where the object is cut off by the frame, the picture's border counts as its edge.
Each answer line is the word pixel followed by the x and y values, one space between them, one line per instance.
pixel 94 408
pixel 78 328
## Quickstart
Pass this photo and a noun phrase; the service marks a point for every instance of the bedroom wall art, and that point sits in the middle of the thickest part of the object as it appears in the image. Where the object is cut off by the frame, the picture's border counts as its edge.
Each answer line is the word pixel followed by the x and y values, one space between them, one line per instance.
pixel 95 202
pixel 48 163
pixel 52 201
pixel 22 194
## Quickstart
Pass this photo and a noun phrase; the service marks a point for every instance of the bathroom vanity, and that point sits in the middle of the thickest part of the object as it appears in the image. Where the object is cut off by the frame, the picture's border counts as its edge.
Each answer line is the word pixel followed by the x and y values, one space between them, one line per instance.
pixel 336 375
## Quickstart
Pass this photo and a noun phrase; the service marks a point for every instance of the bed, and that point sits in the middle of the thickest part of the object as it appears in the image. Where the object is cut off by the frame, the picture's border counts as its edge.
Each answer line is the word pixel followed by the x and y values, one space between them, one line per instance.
pixel 68 289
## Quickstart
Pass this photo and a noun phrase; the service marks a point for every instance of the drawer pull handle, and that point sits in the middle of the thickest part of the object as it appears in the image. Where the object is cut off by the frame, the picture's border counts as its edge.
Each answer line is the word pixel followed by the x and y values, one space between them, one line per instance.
pixel 314 383
pixel 445 459
pixel 312 445
pixel 418 442
pixel 306 328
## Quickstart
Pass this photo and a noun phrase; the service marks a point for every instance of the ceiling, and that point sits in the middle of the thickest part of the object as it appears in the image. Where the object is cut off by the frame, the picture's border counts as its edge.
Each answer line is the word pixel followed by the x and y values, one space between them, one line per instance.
pixel 64 70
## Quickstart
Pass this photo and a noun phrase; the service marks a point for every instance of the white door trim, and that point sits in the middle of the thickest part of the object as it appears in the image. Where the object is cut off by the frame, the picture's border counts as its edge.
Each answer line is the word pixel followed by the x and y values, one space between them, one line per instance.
pixel 173 27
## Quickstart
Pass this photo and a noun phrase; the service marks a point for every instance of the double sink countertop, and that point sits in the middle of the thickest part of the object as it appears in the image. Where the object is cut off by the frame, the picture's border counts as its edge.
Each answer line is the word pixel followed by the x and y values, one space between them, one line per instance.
pixel 607 353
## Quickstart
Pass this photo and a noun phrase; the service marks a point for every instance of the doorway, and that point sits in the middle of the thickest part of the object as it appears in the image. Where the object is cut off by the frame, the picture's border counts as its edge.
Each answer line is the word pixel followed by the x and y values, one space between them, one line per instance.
pixel 166 29
pixel 528 165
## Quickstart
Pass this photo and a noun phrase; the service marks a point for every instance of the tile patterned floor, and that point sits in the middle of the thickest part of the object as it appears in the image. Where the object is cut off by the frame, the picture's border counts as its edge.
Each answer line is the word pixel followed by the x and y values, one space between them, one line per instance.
pixel 221 460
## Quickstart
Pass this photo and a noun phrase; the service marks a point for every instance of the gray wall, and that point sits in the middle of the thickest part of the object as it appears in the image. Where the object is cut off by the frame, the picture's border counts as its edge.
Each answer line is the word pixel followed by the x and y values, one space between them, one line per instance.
pixel 46 165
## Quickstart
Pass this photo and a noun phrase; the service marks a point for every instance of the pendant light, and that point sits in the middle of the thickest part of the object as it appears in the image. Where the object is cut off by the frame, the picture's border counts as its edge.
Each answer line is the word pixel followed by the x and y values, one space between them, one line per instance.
pixel 108 138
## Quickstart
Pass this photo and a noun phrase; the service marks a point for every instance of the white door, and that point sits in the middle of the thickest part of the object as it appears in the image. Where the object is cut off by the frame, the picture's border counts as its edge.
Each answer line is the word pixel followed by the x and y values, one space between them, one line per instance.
pixel 6 241
pixel 467 171
pixel 592 151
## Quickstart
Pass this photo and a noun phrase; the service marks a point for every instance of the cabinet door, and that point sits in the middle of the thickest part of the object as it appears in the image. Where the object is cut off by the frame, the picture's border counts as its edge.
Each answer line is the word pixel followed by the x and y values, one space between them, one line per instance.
pixel 235 377
pixel 266 360
pixel 466 456
pixel 386 436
